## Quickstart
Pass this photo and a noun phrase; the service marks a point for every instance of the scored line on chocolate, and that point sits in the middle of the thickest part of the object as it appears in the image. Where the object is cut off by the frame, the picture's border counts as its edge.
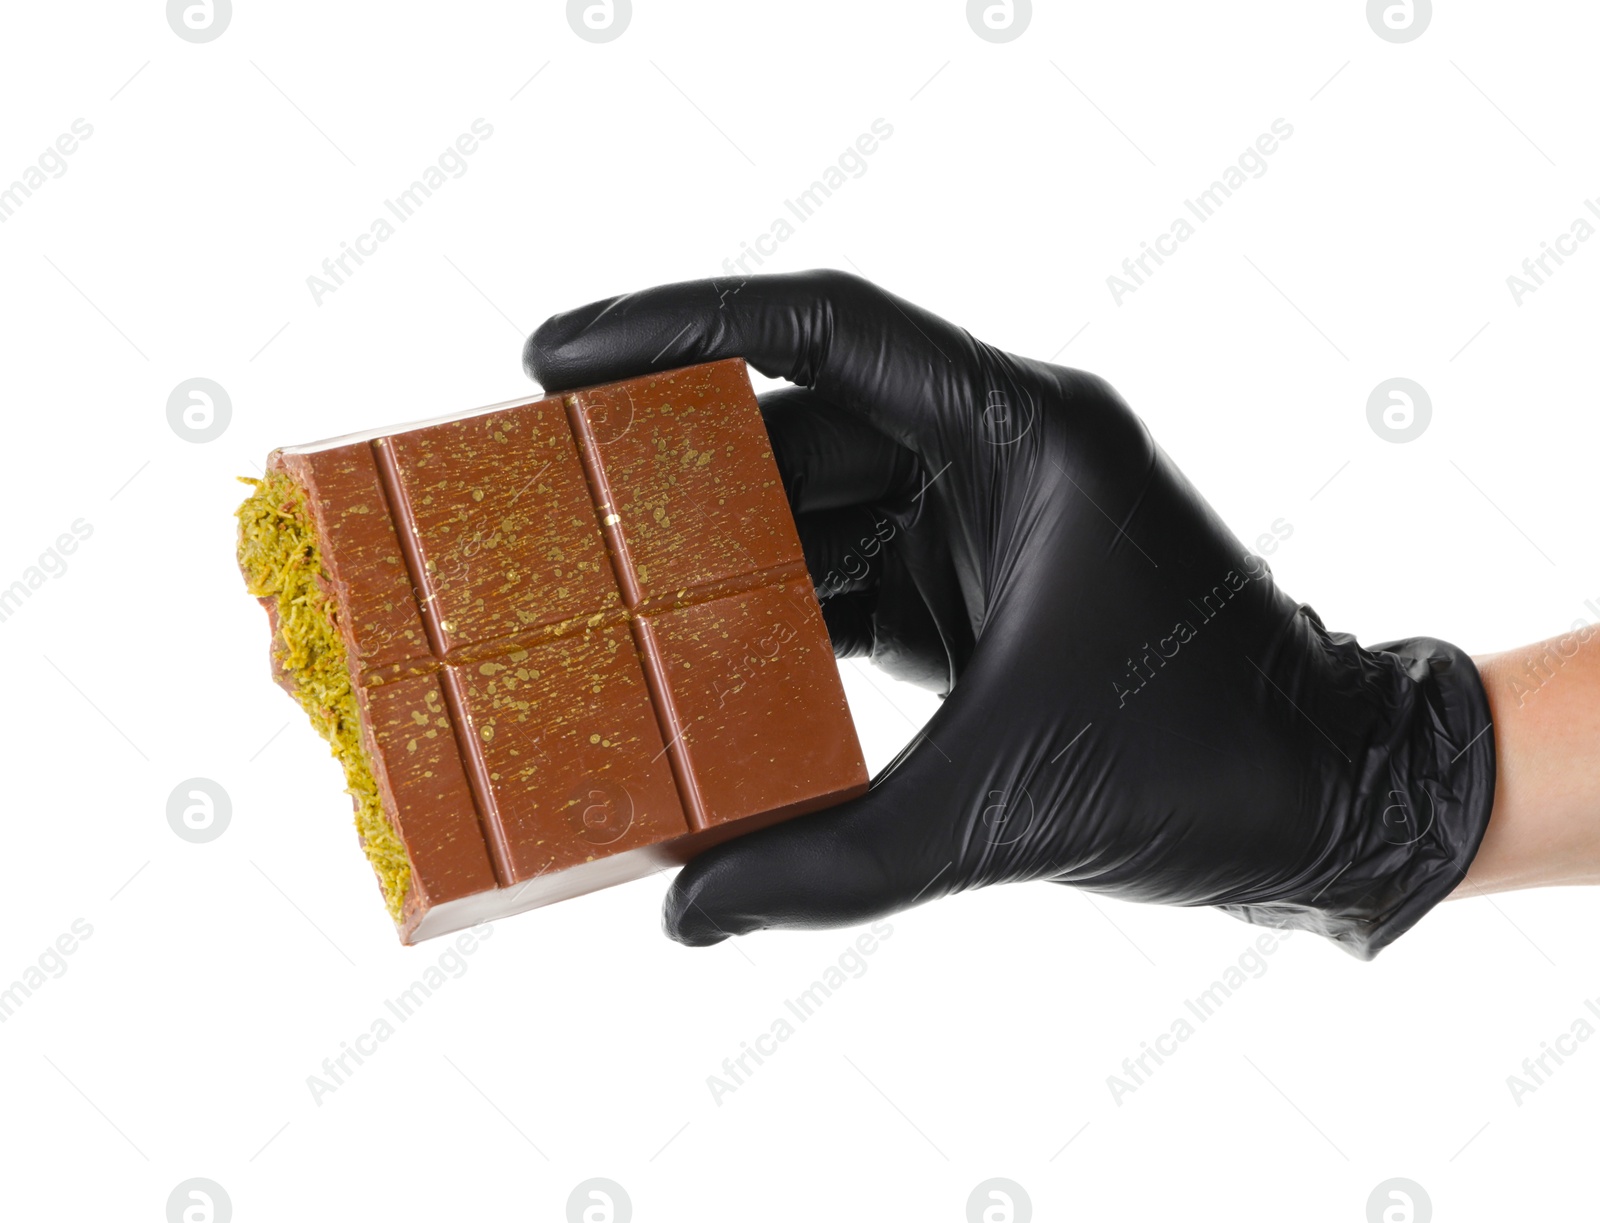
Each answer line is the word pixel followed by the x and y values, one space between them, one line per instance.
pixel 479 780
pixel 600 494
pixel 674 732
pixel 644 642
pixel 477 768
pixel 613 527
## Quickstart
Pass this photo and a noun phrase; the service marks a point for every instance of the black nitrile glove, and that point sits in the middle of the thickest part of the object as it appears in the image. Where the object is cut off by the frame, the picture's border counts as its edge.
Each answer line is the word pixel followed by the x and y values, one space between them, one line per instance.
pixel 1134 706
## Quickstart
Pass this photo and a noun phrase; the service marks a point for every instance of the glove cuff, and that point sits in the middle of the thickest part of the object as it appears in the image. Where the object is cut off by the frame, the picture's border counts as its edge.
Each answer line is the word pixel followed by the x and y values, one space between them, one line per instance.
pixel 1416 807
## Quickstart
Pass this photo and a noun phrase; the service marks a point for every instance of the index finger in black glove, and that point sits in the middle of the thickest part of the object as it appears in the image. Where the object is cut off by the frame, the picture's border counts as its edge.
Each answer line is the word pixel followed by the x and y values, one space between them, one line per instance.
pixel 878 561
pixel 859 347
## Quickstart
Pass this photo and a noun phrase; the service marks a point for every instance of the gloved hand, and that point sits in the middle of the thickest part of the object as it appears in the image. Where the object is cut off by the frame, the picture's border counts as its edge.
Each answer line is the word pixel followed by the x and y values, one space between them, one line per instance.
pixel 1133 706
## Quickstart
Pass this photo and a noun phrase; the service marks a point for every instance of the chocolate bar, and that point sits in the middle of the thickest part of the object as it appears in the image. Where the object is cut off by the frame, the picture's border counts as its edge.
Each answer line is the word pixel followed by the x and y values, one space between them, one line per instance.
pixel 556 644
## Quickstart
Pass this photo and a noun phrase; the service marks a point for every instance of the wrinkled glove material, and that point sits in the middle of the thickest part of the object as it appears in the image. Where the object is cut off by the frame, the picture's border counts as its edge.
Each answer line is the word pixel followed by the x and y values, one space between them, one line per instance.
pixel 1132 705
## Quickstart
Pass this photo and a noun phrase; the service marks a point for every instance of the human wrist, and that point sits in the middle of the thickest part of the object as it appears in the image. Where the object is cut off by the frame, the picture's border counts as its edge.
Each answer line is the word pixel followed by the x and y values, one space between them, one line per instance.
pixel 1544 827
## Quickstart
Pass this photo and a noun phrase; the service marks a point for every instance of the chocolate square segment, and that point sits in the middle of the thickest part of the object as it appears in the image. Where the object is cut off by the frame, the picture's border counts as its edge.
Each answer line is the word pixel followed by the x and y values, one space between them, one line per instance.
pixel 417 764
pixel 362 553
pixel 503 524
pixel 690 495
pixel 735 671
pixel 576 768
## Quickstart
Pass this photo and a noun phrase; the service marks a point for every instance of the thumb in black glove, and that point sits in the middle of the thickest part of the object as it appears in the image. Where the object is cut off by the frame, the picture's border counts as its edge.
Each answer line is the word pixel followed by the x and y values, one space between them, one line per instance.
pixel 1133 705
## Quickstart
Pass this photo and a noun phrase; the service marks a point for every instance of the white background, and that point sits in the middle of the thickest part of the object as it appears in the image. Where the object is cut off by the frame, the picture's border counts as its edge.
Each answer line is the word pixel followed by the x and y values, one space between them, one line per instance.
pixel 978 1042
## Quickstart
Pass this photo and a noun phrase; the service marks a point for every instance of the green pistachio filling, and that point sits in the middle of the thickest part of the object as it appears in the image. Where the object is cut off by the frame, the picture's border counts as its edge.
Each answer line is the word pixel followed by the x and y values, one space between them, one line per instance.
pixel 280 558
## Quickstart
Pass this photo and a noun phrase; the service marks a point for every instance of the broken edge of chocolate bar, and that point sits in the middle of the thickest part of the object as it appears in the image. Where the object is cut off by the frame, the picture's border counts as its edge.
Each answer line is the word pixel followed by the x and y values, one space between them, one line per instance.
pixel 556 644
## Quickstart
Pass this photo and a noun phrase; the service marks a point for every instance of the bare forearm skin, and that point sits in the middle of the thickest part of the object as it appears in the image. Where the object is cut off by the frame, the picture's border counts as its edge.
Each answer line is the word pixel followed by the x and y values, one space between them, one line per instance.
pixel 1544 829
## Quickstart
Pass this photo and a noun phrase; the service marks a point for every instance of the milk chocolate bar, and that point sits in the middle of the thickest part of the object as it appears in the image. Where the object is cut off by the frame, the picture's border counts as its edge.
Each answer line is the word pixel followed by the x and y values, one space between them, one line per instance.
pixel 556 644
